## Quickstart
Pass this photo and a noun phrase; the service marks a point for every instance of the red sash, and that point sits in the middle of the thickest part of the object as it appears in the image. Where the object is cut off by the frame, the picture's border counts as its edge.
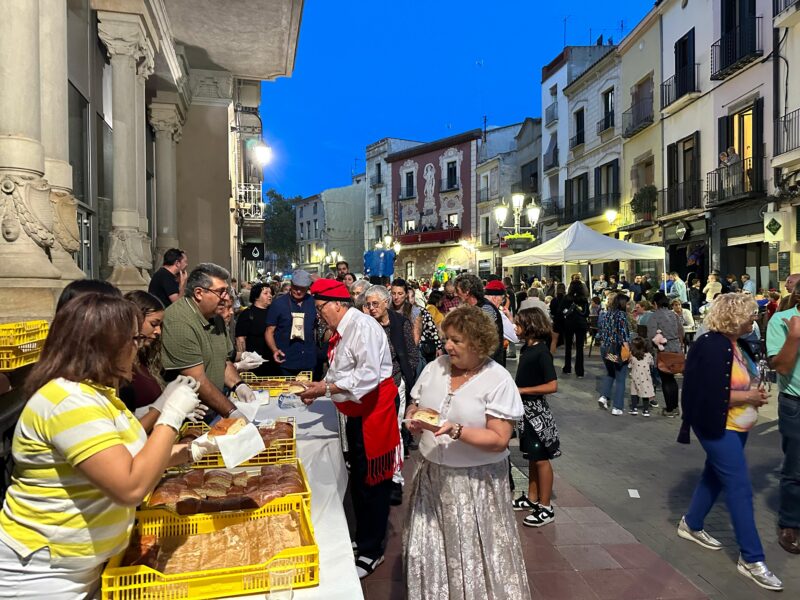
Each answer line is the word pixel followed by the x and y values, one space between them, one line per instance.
pixel 380 430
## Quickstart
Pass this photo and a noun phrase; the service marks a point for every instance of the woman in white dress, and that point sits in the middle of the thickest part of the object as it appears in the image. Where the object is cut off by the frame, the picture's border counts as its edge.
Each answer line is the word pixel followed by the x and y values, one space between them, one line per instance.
pixel 460 540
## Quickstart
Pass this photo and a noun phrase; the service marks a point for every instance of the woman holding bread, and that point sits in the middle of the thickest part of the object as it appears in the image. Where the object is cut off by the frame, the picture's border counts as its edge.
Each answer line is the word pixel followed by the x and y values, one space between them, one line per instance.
pixel 83 461
pixel 460 539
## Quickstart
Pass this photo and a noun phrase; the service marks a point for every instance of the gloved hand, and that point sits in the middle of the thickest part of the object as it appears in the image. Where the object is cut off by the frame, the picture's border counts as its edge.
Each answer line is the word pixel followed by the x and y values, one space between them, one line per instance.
pixel 198 413
pixel 237 414
pixel 244 393
pixel 250 360
pixel 180 380
pixel 198 449
pixel 181 400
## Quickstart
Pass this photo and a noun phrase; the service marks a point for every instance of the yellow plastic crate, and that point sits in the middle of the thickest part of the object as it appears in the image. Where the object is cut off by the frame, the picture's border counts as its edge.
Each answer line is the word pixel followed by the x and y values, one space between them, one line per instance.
pixel 150 513
pixel 275 385
pixel 280 451
pixel 21 343
pixel 129 583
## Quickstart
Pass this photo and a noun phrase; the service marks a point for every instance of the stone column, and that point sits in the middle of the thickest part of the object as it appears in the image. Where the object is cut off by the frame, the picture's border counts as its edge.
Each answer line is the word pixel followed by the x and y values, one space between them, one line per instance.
pixel 126 40
pixel 144 70
pixel 166 120
pixel 55 135
pixel 28 280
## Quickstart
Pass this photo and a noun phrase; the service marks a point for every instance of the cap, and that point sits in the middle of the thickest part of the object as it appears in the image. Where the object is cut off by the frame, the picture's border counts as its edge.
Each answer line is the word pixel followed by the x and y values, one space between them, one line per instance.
pixel 329 289
pixel 301 278
pixel 494 288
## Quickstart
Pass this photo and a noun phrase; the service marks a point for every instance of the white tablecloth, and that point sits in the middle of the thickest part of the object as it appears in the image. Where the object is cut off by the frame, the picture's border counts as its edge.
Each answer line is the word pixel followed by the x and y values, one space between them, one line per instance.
pixel 319 448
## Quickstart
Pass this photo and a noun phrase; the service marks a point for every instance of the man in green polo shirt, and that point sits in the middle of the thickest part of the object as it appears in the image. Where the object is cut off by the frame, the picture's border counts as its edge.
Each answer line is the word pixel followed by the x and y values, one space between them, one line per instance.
pixel 783 341
pixel 195 341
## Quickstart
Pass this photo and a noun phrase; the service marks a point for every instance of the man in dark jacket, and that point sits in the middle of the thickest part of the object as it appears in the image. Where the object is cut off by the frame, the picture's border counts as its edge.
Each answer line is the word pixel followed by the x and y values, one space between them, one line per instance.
pixel 469 289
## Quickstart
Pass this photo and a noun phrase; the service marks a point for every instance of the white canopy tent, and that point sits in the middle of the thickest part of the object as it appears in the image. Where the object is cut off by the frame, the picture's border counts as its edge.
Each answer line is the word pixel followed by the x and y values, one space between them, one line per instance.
pixel 581 245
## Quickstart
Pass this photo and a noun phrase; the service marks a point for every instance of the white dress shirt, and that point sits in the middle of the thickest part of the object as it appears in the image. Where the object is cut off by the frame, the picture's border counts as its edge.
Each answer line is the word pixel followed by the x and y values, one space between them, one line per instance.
pixel 509 332
pixel 361 359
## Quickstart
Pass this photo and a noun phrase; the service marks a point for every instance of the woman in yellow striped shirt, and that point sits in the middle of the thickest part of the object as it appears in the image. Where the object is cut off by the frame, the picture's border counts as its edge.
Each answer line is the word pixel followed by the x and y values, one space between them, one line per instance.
pixel 83 461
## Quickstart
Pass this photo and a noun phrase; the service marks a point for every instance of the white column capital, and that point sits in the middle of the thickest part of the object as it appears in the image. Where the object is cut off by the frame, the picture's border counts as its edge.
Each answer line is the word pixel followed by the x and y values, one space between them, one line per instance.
pixel 124 34
pixel 166 118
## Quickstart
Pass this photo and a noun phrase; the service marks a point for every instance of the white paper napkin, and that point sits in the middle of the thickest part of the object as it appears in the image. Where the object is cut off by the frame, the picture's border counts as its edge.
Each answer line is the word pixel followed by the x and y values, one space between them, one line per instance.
pixel 241 446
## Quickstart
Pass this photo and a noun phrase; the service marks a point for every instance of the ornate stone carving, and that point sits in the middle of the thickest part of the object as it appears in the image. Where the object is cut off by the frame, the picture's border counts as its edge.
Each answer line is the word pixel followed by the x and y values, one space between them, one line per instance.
pixel 450 155
pixel 65 225
pixel 211 87
pixel 450 204
pixel 125 249
pixel 26 206
pixel 429 216
pixel 166 118
pixel 123 35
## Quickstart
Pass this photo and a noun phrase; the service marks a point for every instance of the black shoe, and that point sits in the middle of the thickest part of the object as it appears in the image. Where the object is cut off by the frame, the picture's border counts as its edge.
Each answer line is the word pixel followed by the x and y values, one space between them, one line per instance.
pixel 566 371
pixel 396 495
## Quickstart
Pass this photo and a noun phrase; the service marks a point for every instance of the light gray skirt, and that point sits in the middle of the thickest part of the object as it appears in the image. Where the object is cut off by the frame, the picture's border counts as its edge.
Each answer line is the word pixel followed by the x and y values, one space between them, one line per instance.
pixel 461 541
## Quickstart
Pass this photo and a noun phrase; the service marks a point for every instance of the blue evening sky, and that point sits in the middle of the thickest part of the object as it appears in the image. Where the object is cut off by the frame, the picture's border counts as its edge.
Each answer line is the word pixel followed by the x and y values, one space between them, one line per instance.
pixel 415 69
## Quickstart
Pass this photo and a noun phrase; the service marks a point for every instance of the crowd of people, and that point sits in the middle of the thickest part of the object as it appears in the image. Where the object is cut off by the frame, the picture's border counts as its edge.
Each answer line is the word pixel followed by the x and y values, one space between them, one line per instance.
pixel 99 428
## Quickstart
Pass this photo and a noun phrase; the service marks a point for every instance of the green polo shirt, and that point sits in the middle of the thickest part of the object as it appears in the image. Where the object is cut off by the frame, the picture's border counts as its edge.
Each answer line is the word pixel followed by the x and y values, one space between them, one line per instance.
pixel 776 337
pixel 188 339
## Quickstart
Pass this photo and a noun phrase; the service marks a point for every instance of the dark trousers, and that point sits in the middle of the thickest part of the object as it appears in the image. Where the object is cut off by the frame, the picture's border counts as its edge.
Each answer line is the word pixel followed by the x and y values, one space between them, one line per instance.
pixel 370 502
pixel 789 426
pixel 670 388
pixel 579 336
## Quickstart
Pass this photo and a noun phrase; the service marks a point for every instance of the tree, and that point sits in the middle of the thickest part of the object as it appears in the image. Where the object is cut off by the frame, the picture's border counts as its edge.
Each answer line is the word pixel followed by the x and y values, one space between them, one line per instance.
pixel 279 226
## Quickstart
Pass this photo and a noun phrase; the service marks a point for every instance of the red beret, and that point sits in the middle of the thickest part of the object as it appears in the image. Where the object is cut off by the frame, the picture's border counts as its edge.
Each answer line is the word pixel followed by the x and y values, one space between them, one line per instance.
pixel 494 288
pixel 329 289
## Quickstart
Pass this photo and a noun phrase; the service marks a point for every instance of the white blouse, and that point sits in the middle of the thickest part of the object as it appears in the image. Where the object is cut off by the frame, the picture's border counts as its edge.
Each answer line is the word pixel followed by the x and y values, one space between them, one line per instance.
pixel 491 392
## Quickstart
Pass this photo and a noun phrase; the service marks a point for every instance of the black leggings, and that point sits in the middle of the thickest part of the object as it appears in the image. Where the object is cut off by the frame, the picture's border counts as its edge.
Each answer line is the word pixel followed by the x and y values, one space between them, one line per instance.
pixel 670 388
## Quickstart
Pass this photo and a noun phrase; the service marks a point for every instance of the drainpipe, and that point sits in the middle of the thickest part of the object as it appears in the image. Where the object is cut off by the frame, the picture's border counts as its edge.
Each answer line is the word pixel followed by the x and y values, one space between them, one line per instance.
pixel 776 100
pixel 661 125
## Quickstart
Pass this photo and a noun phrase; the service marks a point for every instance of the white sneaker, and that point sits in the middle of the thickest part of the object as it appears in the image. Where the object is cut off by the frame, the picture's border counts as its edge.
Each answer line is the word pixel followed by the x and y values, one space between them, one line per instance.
pixel 616 411
pixel 602 402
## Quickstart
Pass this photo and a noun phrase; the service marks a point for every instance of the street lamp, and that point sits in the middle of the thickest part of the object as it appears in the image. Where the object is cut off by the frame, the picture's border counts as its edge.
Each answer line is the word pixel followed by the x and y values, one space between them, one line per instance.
pixel 262 153
pixel 611 215
pixel 532 211
pixel 388 243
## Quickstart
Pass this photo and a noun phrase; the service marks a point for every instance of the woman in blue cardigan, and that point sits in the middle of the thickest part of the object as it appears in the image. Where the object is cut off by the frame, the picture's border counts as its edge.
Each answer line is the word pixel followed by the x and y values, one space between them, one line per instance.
pixel 721 396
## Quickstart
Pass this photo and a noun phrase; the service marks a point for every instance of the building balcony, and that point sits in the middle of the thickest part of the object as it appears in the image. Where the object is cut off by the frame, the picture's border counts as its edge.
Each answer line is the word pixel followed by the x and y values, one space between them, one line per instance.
pixel 483 194
pixel 551 114
pixel 376 180
pixel 786 13
pixel 680 197
pixel 435 236
pixel 376 211
pixel 736 49
pixel 587 208
pixel 250 200
pixel 787 141
pixel 739 180
pixel 631 221
pixel 550 159
pixel 605 124
pixel 407 193
pixel 680 89
pixel 577 140
pixel 449 185
pixel 637 117
pixel 551 208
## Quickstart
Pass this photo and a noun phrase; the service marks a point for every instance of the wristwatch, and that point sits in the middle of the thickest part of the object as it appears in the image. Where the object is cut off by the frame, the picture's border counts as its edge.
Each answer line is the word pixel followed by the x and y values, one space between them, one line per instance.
pixel 327 390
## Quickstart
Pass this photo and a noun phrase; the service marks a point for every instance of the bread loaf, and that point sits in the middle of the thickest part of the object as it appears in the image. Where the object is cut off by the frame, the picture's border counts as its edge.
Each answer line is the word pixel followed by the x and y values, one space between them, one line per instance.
pixel 427 415
pixel 227 427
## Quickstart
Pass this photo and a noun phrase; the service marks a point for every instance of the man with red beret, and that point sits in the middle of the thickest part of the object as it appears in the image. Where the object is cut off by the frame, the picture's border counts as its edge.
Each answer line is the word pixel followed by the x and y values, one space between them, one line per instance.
pixel 470 290
pixel 496 294
pixel 359 381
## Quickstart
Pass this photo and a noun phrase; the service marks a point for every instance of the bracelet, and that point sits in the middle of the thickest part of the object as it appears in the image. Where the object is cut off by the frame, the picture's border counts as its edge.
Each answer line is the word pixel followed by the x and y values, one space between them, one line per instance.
pixel 237 384
pixel 456 433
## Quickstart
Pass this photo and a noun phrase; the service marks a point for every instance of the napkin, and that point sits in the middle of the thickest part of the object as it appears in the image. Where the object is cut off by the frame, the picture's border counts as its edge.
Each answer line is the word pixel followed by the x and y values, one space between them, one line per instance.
pixel 240 446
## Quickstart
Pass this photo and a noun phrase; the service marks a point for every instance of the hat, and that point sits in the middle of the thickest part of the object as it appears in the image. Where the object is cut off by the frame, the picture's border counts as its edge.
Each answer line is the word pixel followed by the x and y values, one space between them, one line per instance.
pixel 329 289
pixel 301 278
pixel 494 288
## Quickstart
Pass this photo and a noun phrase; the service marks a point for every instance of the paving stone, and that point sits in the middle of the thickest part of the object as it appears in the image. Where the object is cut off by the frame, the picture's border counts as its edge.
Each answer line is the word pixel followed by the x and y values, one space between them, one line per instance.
pixel 588 557
pixel 560 585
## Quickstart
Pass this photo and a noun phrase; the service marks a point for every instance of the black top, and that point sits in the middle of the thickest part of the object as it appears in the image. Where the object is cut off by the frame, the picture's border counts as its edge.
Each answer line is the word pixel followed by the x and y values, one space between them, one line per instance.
pixel 575 313
pixel 535 367
pixel 162 285
pixel 499 355
pixel 251 325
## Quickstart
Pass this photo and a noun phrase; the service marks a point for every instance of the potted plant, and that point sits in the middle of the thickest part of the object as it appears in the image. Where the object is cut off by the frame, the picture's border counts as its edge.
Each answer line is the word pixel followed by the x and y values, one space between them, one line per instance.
pixel 643 203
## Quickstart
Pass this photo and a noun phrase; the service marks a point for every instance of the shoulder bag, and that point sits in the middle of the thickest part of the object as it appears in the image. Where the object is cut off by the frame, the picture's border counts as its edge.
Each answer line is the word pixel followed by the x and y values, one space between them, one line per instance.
pixel 671 362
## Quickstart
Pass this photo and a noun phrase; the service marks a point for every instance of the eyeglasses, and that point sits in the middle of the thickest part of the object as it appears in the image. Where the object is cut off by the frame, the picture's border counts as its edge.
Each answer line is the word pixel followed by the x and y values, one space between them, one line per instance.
pixel 319 307
pixel 374 304
pixel 220 293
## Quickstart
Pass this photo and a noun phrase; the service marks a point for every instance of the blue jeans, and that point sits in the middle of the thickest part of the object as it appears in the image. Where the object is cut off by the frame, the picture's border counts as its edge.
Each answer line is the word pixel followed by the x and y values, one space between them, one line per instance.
pixel 789 426
pixel 615 378
pixel 726 469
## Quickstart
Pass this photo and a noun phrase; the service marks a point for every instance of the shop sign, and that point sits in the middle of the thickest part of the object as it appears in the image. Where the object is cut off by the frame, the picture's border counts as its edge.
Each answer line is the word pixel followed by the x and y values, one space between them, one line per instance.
pixel 682 229
pixel 775 226
pixel 253 251
pixel 484 265
pixel 784 265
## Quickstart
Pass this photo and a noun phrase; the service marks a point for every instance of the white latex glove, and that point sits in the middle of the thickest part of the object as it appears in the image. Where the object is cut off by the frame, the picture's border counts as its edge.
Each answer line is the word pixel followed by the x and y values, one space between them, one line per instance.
pixel 199 449
pixel 181 401
pixel 237 414
pixel 198 413
pixel 250 360
pixel 179 381
pixel 244 393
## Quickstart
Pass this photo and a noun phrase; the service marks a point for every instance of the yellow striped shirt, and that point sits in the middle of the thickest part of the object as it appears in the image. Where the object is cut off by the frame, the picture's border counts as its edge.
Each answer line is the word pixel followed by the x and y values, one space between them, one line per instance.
pixel 50 502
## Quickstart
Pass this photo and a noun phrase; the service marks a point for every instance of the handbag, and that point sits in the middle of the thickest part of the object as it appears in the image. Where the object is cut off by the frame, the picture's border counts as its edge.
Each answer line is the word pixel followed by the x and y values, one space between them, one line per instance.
pixel 671 362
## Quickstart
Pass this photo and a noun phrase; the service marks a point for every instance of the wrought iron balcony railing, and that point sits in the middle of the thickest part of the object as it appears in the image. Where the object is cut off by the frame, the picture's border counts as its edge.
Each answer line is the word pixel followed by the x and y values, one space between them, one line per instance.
pixel 551 208
pixel 406 193
pixel 678 197
pixel 736 180
pixel 376 210
pixel 449 185
pixel 483 194
pixel 551 113
pixel 606 123
pixel 787 132
pixel 577 139
pixel 250 199
pixel 550 159
pixel 637 117
pixel 434 236
pixel 376 180
pixel 585 208
pixel 679 85
pixel 736 48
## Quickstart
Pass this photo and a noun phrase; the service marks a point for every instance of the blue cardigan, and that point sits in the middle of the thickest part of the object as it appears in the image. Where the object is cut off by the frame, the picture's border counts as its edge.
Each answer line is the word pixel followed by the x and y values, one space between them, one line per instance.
pixel 706 386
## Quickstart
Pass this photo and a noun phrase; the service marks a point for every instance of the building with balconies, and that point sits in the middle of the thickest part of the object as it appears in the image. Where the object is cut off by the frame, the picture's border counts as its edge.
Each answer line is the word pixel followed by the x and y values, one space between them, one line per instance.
pixel 379 217
pixel 434 204
pixel 786 151
pixel 592 185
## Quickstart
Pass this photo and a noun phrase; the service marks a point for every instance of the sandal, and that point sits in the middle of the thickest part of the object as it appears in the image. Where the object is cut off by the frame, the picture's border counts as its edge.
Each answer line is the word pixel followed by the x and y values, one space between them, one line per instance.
pixel 365 566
